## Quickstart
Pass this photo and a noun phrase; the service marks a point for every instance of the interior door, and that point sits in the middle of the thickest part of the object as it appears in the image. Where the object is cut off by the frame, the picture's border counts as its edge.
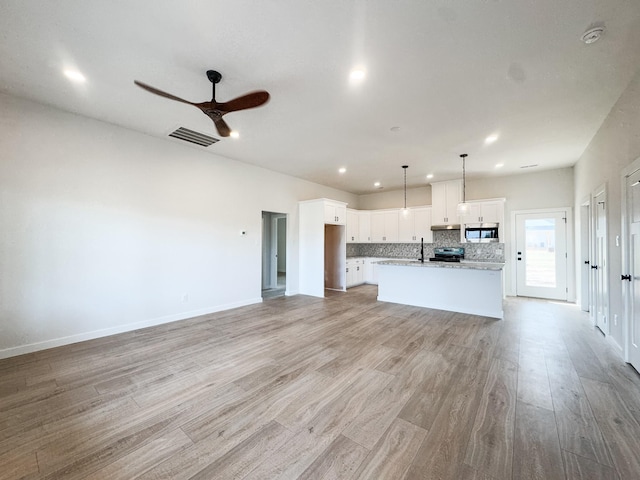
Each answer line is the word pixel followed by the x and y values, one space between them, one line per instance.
pixel 541 255
pixel 633 219
pixel 599 263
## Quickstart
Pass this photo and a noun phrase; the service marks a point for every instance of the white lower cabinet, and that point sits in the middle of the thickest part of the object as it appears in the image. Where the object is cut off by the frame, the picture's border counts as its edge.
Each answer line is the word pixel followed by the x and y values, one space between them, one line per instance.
pixel 355 271
pixel 371 269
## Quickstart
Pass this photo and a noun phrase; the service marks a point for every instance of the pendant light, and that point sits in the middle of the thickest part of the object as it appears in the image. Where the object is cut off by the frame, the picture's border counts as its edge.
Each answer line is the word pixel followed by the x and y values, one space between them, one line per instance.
pixel 463 207
pixel 404 210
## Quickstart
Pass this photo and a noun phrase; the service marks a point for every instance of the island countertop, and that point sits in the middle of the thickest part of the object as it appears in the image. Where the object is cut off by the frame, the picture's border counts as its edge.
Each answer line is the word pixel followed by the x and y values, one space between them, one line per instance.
pixel 469 264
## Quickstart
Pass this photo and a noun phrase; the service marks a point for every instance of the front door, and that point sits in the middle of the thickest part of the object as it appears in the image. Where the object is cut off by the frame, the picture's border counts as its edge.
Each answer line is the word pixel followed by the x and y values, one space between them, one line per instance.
pixel 633 222
pixel 541 255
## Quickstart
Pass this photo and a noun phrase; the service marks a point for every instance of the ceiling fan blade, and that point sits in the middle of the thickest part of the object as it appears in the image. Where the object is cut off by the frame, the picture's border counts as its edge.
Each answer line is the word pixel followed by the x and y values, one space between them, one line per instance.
pixel 151 89
pixel 221 126
pixel 250 100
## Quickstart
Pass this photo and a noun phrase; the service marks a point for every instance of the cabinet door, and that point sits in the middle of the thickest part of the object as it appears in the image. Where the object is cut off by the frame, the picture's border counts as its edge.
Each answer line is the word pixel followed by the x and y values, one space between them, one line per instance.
pixel 422 223
pixel 352 226
pixel 492 212
pixel 453 198
pixel 341 214
pixel 335 214
pixel 474 215
pixel 439 203
pixel 329 213
pixel 364 227
pixel 359 273
pixel 377 227
pixel 391 226
pixel 406 226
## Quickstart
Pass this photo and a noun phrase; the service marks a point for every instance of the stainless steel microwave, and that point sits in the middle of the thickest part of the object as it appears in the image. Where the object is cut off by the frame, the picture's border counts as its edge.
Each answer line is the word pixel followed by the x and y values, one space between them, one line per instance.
pixel 481 232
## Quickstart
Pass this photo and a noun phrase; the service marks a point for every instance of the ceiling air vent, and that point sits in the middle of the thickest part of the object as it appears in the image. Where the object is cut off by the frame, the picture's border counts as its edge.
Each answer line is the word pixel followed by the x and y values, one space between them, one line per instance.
pixel 193 137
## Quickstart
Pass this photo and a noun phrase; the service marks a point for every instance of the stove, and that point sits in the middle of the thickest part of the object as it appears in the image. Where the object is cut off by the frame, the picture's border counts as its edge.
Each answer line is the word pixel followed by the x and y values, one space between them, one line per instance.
pixel 447 254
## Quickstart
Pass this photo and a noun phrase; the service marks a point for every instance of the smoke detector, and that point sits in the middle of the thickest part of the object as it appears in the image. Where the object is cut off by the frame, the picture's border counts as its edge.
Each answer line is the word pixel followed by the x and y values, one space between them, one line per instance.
pixel 592 35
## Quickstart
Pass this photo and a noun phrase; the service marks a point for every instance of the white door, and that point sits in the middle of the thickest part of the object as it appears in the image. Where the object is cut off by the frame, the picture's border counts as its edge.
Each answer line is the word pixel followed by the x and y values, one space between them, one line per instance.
pixel 541 255
pixel 633 222
pixel 599 264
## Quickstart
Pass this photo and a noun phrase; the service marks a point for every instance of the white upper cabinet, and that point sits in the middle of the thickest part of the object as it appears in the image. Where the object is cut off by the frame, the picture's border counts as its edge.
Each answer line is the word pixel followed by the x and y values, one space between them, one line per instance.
pixel 445 197
pixel 384 226
pixel 364 227
pixel 353 226
pixel 414 225
pixel 335 212
pixel 486 211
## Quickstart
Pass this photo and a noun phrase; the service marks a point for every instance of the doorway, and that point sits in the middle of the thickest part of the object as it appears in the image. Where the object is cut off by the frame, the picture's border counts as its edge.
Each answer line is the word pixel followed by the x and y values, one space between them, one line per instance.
pixel 274 254
pixel 541 254
pixel 631 263
pixel 585 256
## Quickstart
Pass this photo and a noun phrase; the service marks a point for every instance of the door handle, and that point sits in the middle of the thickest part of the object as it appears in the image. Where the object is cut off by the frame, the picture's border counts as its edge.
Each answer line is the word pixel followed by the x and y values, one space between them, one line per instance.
pixel 625 277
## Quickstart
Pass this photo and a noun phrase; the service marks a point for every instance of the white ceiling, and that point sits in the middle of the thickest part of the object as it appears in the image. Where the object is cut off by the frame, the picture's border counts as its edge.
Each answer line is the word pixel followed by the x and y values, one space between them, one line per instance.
pixel 447 72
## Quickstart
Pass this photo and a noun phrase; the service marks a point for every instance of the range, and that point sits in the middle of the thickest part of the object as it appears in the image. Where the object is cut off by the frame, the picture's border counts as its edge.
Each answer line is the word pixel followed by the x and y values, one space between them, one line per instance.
pixel 447 254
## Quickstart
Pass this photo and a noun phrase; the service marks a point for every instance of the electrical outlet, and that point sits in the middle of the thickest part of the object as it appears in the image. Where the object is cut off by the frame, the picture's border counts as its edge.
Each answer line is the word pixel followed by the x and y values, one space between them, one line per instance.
pixel 615 319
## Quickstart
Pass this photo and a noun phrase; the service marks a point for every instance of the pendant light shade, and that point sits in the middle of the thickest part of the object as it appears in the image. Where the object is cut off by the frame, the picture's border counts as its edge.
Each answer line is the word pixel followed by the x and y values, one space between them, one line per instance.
pixel 463 207
pixel 404 210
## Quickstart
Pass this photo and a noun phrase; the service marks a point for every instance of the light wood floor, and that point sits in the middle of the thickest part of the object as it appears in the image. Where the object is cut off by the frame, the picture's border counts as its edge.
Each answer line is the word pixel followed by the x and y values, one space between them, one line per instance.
pixel 337 388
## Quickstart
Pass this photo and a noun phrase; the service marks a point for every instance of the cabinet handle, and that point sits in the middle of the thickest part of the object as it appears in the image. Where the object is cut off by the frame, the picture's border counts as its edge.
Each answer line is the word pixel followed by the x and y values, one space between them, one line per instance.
pixel 625 277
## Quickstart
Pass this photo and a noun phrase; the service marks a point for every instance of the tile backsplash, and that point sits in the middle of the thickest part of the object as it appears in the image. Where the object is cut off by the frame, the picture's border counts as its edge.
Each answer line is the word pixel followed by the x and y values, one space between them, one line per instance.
pixel 493 252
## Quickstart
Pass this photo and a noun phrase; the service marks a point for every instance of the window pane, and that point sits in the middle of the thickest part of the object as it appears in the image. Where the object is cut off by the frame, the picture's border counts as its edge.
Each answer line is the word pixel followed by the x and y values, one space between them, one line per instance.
pixel 540 235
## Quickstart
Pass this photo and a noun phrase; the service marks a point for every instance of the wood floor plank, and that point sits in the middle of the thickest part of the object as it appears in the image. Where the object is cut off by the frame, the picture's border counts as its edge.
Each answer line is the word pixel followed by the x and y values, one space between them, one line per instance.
pixel 339 461
pixel 247 455
pixel 394 452
pixel 378 414
pixel 533 380
pixel 537 452
pixel 490 447
pixel 580 468
pixel 619 427
pixel 577 427
pixel 442 453
pixel 144 458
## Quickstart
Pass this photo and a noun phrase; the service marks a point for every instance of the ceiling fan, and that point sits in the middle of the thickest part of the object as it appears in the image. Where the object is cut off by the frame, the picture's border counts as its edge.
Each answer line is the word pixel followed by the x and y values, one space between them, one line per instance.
pixel 213 109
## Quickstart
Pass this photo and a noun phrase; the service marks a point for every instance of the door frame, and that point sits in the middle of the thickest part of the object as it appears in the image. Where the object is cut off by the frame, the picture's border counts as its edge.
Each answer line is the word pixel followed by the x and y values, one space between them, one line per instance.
pixel 585 255
pixel 600 190
pixel 626 260
pixel 274 247
pixel 568 211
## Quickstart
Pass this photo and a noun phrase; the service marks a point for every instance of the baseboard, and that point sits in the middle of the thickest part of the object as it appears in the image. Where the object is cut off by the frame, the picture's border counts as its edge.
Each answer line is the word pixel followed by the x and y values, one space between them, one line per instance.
pixel 81 337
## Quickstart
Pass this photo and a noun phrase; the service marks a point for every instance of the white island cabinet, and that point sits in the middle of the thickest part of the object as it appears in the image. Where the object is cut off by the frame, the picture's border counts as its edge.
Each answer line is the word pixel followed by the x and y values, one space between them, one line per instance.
pixel 465 287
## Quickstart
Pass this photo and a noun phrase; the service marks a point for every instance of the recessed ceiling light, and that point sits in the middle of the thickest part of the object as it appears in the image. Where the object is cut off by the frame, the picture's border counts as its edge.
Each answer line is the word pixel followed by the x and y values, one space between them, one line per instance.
pixel 491 138
pixel 357 74
pixel 234 134
pixel 395 129
pixel 342 170
pixel 75 76
pixel 499 165
pixel 430 175
pixel 377 184
pixel 592 35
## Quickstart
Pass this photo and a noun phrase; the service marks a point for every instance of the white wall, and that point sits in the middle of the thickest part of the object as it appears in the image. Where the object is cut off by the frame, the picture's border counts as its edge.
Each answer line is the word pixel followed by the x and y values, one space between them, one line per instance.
pixel 105 229
pixel 615 146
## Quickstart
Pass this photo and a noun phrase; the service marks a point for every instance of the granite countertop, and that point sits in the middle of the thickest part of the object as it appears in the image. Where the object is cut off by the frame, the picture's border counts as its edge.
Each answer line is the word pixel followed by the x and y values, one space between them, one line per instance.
pixel 463 264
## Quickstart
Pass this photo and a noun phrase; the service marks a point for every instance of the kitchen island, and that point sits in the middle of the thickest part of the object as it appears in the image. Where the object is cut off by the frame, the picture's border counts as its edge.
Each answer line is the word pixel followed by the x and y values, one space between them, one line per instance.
pixel 466 287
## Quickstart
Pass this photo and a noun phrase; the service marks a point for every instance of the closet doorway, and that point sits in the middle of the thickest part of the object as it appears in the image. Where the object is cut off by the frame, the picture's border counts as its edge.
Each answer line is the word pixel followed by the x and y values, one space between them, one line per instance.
pixel 274 254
